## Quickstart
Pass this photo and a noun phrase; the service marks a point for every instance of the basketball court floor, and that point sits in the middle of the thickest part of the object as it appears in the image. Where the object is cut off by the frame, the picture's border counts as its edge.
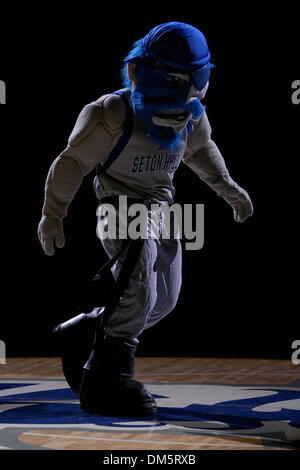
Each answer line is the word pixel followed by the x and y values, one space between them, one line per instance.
pixel 203 404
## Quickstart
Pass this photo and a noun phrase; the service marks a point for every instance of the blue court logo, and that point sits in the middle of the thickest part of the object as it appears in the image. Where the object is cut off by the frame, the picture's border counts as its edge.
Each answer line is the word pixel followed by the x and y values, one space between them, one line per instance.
pixel 198 408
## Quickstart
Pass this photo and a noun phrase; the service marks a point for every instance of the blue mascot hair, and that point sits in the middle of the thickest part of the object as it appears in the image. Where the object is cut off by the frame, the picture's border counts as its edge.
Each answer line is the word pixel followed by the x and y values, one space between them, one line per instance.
pixel 136 51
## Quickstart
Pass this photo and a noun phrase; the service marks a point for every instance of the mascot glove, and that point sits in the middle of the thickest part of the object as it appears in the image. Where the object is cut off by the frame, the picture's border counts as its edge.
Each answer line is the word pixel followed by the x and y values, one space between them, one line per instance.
pixel 238 199
pixel 51 230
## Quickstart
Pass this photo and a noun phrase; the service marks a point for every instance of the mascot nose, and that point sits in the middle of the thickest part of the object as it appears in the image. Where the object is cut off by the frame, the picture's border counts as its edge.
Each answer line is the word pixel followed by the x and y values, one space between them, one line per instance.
pixel 195 93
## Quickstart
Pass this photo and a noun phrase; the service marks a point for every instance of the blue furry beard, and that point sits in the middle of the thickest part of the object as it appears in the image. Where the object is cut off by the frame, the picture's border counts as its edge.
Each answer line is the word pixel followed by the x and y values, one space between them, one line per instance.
pixel 169 143
pixel 166 137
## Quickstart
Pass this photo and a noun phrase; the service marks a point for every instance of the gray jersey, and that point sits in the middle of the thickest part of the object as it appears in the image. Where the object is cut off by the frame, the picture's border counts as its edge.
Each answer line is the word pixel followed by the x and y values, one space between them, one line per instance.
pixel 140 170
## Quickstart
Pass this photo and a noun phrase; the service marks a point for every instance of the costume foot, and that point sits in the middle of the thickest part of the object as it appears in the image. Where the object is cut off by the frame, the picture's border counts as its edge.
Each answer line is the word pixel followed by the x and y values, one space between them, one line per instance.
pixel 114 396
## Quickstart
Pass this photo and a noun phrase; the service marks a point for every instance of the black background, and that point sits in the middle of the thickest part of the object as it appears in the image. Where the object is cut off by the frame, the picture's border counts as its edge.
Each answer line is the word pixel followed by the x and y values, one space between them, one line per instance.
pixel 240 292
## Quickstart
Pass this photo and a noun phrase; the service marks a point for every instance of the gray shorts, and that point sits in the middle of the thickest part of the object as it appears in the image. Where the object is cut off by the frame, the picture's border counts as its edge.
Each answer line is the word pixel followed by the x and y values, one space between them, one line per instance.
pixel 153 288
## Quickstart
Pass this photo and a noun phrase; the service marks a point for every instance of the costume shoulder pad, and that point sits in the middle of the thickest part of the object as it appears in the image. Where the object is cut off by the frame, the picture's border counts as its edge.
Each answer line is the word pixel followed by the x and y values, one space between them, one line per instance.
pixel 88 119
pixel 201 132
pixel 114 111
pixel 108 111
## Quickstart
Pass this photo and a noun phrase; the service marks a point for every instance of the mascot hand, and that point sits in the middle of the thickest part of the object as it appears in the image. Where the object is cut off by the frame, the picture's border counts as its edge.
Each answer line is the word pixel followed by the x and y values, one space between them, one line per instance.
pixel 238 199
pixel 51 230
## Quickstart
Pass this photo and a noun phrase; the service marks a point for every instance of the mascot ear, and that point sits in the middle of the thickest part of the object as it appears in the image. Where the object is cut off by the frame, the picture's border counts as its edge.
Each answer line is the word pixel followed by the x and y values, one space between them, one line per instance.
pixel 131 74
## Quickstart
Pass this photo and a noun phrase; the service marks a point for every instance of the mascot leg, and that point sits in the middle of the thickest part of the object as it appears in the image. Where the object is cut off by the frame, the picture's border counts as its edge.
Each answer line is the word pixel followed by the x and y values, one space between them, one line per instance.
pixel 107 385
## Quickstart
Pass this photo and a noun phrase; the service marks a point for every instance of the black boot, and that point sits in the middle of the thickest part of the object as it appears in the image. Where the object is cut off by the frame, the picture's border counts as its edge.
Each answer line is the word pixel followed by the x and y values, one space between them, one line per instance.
pixel 107 387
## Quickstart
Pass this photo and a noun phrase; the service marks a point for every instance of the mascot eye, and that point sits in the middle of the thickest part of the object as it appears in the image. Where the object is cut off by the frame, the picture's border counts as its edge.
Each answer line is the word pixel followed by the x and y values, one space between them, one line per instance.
pixel 173 82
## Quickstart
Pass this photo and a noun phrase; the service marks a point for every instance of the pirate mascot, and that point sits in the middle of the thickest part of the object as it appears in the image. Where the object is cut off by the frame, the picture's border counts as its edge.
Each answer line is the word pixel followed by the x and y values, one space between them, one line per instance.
pixel 135 138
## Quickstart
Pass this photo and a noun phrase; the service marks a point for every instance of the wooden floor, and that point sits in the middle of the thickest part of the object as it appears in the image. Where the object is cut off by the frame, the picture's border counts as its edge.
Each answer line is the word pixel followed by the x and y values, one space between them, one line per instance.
pixel 173 369
pixel 209 373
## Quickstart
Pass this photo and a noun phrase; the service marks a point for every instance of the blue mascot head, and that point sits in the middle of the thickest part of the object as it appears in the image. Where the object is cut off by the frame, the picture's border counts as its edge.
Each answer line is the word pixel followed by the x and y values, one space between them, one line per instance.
pixel 169 72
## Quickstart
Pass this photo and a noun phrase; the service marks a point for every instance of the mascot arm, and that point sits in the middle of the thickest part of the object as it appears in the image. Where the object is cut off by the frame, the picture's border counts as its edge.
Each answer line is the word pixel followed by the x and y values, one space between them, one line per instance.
pixel 97 128
pixel 205 159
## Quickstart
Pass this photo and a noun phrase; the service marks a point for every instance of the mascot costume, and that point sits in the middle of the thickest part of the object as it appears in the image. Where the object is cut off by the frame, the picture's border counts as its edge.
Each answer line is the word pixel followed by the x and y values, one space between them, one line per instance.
pixel 134 139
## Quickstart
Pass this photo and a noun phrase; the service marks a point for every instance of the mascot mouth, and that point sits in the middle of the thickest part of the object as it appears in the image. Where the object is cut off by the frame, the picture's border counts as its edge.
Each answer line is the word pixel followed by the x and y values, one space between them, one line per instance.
pixel 177 115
